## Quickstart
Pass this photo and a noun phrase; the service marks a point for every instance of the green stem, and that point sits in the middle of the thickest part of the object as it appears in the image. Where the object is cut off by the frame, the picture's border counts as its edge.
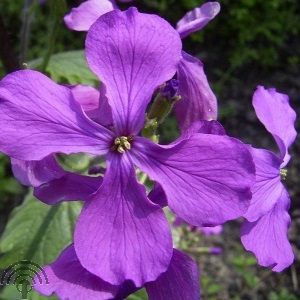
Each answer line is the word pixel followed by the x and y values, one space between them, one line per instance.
pixel 57 9
pixel 28 11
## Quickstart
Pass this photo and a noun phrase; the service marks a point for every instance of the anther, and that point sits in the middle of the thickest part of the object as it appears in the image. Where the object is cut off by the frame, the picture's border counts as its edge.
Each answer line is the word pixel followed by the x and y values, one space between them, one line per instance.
pixel 283 174
pixel 122 143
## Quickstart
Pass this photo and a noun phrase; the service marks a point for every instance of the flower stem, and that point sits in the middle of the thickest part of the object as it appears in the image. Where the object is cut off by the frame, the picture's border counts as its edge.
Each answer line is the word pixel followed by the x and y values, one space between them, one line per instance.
pixel 57 10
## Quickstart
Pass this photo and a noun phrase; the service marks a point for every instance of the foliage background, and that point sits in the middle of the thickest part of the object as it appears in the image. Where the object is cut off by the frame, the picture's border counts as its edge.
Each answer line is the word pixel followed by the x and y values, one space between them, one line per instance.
pixel 250 42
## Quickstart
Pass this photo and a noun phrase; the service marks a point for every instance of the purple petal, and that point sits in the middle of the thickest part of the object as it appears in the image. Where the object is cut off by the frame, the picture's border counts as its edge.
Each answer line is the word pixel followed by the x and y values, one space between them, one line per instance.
pixel 132 54
pixel 40 117
pixel 70 187
pixel 180 282
pixel 35 173
pixel 69 280
pixel 158 196
pixel 267 237
pixel 94 103
pixel 273 110
pixel 104 110
pixel 82 17
pixel 87 97
pixel 197 18
pixel 206 178
pixel 198 101
pixel 267 188
pixel 207 127
pixel 52 183
pixel 215 230
pixel 128 236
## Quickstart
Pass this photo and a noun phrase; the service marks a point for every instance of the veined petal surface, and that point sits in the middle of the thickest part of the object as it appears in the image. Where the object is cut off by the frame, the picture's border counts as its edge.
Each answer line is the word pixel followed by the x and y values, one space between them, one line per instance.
pixel 94 103
pixel 132 54
pixel 69 280
pixel 206 178
pixel 198 101
pixel 268 187
pixel 267 237
pixel 82 17
pixel 197 18
pixel 274 111
pixel 120 234
pixel 180 281
pixel 36 172
pixel 40 117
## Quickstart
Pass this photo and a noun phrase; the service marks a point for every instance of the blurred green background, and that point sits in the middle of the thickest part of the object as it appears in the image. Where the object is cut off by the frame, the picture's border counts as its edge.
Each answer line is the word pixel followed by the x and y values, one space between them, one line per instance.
pixel 250 42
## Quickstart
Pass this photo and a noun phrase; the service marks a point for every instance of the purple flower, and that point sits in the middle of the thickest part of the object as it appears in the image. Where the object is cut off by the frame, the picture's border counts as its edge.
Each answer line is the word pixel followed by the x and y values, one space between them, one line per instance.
pixel 77 283
pixel 121 235
pixel 198 101
pixel 265 232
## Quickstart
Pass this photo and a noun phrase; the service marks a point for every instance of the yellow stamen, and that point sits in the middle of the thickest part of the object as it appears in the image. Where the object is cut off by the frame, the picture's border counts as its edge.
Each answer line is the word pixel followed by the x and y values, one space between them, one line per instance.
pixel 283 174
pixel 122 143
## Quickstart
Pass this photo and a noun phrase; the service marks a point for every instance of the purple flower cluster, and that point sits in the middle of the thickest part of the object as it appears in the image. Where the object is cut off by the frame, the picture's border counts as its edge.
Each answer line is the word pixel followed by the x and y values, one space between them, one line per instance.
pixel 122 240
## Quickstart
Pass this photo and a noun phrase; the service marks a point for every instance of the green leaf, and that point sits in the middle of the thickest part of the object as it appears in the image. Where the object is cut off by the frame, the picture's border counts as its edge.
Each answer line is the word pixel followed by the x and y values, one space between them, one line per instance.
pixel 10 292
pixel 68 67
pixel 37 232
pixel 10 186
pixel 78 162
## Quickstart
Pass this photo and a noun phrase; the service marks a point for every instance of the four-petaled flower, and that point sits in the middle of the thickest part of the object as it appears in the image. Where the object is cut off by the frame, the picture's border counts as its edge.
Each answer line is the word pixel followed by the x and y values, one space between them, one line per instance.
pixel 265 232
pixel 121 235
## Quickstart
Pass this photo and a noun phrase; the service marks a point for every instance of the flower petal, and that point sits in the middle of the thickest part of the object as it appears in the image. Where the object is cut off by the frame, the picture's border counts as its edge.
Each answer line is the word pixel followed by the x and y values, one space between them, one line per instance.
pixel 93 103
pixel 267 237
pixel 206 178
pixel 128 236
pixel 198 101
pixel 197 18
pixel 40 117
pixel 52 183
pixel 203 126
pixel 215 230
pixel 158 196
pixel 132 53
pixel 70 187
pixel 273 110
pixel 267 188
pixel 69 280
pixel 35 173
pixel 82 17
pixel 180 282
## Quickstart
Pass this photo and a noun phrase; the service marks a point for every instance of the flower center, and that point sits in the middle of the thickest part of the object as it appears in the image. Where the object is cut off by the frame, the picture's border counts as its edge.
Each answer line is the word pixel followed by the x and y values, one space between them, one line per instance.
pixel 122 143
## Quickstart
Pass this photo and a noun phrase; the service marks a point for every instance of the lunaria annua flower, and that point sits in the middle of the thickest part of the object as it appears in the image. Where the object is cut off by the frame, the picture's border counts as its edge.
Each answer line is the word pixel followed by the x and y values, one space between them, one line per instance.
pixel 266 231
pixel 121 235
pixel 198 101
